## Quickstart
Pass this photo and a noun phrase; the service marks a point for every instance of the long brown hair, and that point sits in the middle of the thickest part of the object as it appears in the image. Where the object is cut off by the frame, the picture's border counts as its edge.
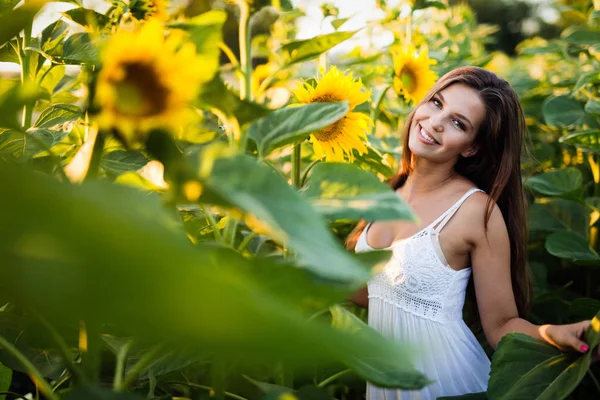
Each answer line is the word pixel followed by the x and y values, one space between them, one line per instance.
pixel 495 168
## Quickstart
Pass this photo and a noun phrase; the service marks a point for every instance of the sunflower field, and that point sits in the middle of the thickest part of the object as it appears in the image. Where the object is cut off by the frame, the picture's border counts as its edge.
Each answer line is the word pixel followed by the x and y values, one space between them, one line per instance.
pixel 178 179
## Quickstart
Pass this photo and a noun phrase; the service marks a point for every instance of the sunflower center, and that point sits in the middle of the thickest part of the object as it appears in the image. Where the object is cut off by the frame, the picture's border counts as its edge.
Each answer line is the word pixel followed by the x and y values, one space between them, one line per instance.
pixel 408 78
pixel 326 98
pixel 331 132
pixel 140 93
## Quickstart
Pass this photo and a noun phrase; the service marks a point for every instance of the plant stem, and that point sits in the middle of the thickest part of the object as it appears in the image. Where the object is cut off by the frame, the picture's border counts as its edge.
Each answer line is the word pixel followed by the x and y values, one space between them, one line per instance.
pixel 64 350
pixel 213 223
pixel 377 108
pixel 307 170
pixel 245 50
pixel 96 157
pixel 120 367
pixel 143 364
pixel 25 75
pixel 230 231
pixel 246 240
pixel 333 377
pixel 296 164
pixel 30 368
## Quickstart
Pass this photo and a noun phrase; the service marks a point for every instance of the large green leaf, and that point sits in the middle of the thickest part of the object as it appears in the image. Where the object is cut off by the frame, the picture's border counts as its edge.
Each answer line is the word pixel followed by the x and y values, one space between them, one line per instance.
pixel 527 368
pixel 38 140
pixel 581 36
pixel 570 245
pixel 290 125
pixel 376 368
pixel 304 50
pixel 105 255
pixel 257 189
pixel 87 18
pixel 80 49
pixel 562 110
pixel 587 140
pixel 215 94
pixel 560 182
pixel 593 106
pixel 340 190
pixel 120 161
pixel 55 116
pixel 585 307
pixel 51 38
pixel 542 219
pixel 13 21
pixel 470 396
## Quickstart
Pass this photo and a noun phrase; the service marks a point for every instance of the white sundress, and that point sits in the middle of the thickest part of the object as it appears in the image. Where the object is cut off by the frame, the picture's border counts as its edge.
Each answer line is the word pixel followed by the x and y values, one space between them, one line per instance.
pixel 417 299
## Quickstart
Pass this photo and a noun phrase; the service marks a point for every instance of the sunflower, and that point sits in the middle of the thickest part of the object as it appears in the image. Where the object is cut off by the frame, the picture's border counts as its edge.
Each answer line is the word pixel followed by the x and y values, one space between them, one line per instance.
pixel 338 140
pixel 412 75
pixel 145 9
pixel 147 81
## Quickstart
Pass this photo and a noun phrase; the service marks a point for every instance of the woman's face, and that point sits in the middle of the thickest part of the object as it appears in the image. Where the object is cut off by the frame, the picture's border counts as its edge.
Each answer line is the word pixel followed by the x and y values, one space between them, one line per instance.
pixel 446 126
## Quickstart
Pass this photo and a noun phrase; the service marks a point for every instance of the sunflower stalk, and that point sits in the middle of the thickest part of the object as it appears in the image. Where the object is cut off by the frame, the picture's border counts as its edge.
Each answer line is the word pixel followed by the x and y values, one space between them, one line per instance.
pixel 376 110
pixel 24 58
pixel 245 50
pixel 296 164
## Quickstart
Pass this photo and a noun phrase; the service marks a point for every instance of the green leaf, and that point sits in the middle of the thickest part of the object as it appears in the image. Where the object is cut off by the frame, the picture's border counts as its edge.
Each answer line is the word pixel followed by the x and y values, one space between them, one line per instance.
pixel 570 245
pixel 422 4
pixel 585 307
pixel 257 189
pixel 12 22
pixel 51 38
pixel 121 161
pixel 592 335
pixel 289 125
pixel 581 36
pixel 57 116
pixel 377 367
pixel 133 179
pixel 304 50
pixel 8 52
pixel 542 219
pixel 560 182
pixel 337 23
pixel 79 49
pixel 107 254
pixel 5 380
pixel 215 94
pixel 12 102
pixel 206 33
pixel 527 368
pixel 562 111
pixel 340 190
pixel 587 78
pixel 587 140
pixel 593 106
pixel 40 139
pixel 87 18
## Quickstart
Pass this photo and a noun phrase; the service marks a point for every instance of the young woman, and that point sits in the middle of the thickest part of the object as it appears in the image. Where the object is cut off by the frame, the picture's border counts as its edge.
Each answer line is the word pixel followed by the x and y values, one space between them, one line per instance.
pixel 461 174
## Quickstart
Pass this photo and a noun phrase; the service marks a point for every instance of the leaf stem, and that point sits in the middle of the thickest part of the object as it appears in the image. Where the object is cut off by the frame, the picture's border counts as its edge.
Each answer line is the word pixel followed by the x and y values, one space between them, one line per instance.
pixel 213 223
pixel 307 170
pixel 296 164
pixel 142 365
pixel 30 368
pixel 245 50
pixel 25 75
pixel 120 367
pixel 333 377
pixel 197 386
pixel 246 241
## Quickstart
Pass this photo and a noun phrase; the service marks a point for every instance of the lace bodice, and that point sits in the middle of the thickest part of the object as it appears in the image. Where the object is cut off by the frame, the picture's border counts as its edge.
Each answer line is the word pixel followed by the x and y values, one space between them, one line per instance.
pixel 417 278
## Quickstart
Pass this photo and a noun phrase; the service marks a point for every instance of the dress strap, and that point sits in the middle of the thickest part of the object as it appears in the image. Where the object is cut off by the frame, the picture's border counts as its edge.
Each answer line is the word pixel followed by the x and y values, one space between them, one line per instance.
pixel 445 217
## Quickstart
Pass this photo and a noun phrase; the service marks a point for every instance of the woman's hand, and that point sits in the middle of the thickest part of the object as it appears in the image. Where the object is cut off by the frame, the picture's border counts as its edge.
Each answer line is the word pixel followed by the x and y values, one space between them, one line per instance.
pixel 568 337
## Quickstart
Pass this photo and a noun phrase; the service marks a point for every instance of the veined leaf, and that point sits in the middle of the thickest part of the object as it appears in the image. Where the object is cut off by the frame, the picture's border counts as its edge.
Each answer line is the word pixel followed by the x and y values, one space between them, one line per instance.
pixel 304 50
pixel 87 18
pixel 79 49
pixel 55 116
pixel 289 125
pixel 562 110
pixel 559 182
pixel 120 161
pixel 12 22
pixel 581 36
pixel 588 140
pixel 340 190
pixel 569 245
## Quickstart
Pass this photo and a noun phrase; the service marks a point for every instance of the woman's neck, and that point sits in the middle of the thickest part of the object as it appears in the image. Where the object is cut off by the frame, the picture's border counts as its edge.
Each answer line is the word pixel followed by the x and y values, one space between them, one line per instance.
pixel 426 177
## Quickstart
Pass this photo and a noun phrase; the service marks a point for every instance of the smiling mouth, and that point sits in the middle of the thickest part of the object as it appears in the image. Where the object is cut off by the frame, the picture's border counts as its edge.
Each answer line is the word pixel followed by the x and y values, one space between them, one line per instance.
pixel 426 136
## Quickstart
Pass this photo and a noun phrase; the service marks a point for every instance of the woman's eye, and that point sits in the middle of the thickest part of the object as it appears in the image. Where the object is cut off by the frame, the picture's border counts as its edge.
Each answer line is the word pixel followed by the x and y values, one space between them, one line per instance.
pixel 437 103
pixel 459 124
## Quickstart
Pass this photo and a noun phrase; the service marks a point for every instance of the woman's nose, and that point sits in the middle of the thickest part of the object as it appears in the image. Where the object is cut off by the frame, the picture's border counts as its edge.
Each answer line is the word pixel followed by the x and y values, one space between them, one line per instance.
pixel 436 123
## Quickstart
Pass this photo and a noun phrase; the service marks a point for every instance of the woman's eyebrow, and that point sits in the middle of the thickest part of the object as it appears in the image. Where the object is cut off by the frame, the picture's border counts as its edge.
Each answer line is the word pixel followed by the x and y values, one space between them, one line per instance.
pixel 457 114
